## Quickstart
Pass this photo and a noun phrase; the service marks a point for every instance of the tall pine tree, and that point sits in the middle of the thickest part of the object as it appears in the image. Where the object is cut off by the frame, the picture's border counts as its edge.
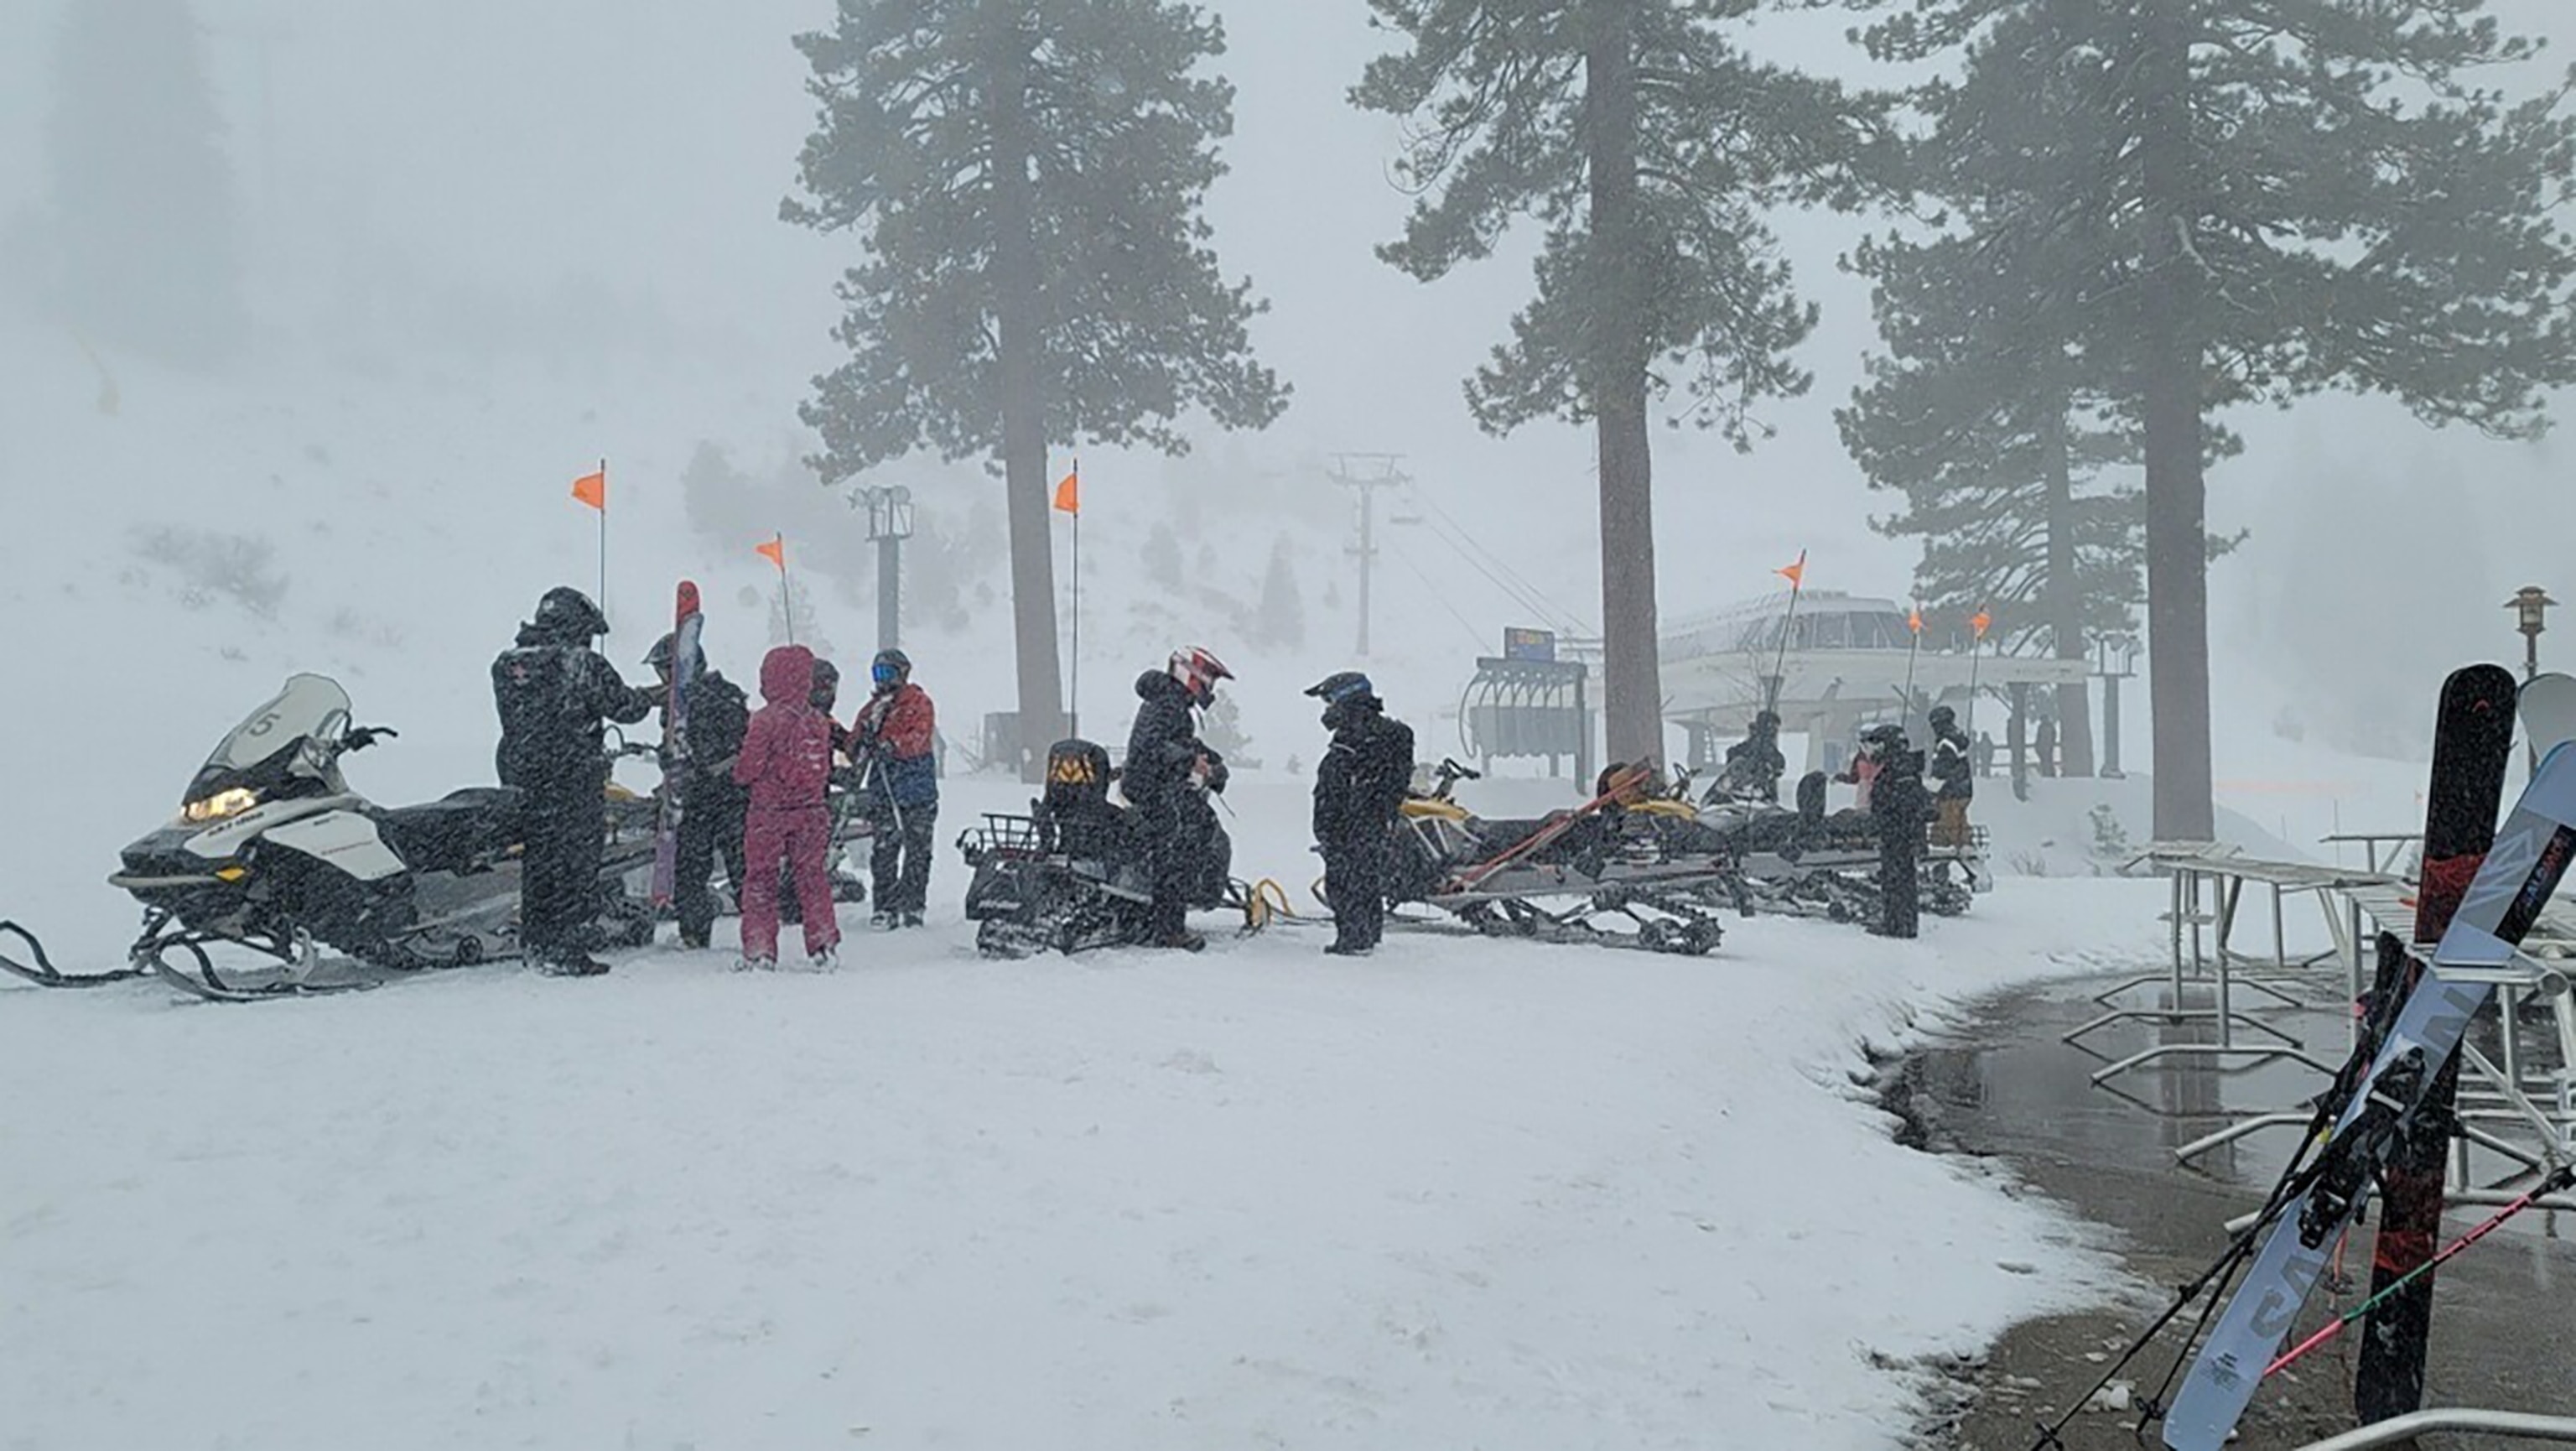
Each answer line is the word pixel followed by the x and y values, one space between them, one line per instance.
pixel 1025 178
pixel 1649 148
pixel 142 192
pixel 1985 411
pixel 2285 197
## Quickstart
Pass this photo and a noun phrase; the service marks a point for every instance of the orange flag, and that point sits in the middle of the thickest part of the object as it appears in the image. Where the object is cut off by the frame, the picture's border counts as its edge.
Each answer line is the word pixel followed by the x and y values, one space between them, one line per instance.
pixel 1068 492
pixel 775 551
pixel 1981 620
pixel 1914 620
pixel 592 489
pixel 1795 574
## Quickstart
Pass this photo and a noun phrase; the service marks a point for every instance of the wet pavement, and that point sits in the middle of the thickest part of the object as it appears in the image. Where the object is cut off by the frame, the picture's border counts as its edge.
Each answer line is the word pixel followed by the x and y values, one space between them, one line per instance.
pixel 2504 1328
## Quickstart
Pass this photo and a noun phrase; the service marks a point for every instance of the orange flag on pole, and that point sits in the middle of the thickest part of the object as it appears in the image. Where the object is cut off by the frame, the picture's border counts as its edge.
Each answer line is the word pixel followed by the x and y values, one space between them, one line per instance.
pixel 1068 492
pixel 1914 620
pixel 1795 574
pixel 1981 620
pixel 592 489
pixel 775 551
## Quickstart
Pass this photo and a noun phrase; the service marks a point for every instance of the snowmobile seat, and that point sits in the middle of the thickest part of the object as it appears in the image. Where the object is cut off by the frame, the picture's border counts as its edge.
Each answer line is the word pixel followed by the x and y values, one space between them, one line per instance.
pixel 453 832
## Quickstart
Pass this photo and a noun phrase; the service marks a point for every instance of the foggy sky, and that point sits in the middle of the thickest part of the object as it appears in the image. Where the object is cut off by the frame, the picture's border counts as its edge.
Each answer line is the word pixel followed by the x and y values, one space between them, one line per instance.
pixel 634 152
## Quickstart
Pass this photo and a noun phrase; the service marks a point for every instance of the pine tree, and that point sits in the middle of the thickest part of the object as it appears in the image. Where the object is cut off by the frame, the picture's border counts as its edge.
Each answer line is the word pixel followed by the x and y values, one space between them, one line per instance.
pixel 2282 198
pixel 1280 618
pixel 1985 411
pixel 142 192
pixel 1648 148
pixel 1026 178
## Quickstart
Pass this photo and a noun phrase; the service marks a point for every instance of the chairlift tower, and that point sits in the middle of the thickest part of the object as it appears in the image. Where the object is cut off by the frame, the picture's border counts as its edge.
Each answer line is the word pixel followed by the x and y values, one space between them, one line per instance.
pixel 889 524
pixel 1365 474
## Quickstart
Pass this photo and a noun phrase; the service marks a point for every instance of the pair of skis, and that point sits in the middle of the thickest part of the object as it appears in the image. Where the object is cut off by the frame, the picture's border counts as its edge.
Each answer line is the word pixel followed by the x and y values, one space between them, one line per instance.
pixel 687 624
pixel 2479 918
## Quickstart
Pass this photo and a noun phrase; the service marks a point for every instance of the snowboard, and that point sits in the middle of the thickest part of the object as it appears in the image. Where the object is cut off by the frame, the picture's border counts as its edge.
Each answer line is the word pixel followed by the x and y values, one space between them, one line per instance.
pixel 686 625
pixel 2520 870
pixel 2388 1380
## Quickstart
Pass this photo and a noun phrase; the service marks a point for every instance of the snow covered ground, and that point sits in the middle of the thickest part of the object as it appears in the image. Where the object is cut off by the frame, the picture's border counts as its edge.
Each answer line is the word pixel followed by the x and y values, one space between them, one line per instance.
pixel 1462 1194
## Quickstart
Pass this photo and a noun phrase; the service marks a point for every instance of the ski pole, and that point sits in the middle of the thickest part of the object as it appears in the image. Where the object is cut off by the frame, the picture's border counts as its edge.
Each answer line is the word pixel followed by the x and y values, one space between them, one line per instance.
pixel 2559 1178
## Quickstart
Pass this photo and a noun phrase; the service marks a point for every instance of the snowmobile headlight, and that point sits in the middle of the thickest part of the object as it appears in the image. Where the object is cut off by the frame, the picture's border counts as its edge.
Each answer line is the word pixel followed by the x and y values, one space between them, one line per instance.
pixel 222 804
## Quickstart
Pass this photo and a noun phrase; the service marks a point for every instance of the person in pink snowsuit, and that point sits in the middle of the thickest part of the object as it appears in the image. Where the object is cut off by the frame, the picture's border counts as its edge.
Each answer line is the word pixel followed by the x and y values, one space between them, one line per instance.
pixel 786 761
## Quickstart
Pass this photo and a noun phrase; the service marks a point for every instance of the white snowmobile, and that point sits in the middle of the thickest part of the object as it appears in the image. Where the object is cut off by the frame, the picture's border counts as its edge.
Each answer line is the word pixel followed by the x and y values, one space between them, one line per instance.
pixel 273 852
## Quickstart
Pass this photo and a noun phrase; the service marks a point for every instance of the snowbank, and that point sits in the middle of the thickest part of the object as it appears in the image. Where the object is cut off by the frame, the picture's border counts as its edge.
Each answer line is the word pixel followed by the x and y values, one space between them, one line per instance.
pixel 1462 1194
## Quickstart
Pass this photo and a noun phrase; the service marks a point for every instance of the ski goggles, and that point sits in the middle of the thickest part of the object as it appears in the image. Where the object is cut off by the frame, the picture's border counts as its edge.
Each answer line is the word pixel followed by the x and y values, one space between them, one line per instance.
pixel 885 674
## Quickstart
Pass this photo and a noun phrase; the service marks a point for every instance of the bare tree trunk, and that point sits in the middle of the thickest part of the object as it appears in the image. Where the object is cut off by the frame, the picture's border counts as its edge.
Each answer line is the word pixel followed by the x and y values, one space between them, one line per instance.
pixel 1024 391
pixel 1632 695
pixel 2063 596
pixel 2177 528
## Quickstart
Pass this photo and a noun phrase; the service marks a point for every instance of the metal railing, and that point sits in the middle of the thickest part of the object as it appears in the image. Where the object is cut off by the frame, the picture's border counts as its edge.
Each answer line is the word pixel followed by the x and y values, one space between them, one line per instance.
pixel 2403 1429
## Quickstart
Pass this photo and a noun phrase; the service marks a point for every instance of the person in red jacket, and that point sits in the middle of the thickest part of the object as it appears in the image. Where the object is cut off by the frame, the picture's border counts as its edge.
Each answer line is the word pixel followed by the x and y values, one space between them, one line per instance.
pixel 896 738
pixel 785 763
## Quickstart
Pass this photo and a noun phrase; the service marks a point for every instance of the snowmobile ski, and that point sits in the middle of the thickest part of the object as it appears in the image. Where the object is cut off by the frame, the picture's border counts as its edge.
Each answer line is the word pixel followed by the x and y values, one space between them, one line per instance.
pixel 2523 867
pixel 40 970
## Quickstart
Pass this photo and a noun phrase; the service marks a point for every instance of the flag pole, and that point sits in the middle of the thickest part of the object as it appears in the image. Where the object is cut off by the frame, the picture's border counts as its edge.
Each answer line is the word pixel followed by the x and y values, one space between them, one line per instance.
pixel 1073 719
pixel 1976 657
pixel 1797 583
pixel 786 589
pixel 603 538
pixel 1914 646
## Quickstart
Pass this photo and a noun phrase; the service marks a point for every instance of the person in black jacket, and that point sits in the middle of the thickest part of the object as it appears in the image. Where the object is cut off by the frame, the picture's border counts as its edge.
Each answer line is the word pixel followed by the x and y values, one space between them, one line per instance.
pixel 1898 808
pixel 554 692
pixel 1359 788
pixel 1754 764
pixel 711 805
pixel 1168 768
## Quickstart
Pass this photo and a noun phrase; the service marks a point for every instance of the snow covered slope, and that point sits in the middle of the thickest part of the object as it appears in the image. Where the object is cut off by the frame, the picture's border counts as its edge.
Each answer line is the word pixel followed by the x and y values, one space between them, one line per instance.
pixel 1461 1194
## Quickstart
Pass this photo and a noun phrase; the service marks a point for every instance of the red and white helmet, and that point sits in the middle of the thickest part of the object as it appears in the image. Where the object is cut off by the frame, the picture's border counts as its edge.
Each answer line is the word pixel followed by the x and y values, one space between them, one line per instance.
pixel 1198 670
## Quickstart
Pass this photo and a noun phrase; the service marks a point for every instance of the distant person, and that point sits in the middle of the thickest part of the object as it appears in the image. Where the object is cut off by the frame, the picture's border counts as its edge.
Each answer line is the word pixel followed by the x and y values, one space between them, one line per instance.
pixel 1950 767
pixel 1985 753
pixel 1168 772
pixel 826 699
pixel 898 735
pixel 1898 809
pixel 1360 786
pixel 786 762
pixel 1863 771
pixel 711 805
pixel 555 694
pixel 2045 743
pixel 1754 764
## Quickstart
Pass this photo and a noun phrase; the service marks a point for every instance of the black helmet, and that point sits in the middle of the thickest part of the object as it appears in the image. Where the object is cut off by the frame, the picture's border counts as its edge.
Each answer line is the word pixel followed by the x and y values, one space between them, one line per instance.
pixel 892 667
pixel 1340 686
pixel 659 657
pixel 1943 717
pixel 827 683
pixel 568 614
pixel 1766 720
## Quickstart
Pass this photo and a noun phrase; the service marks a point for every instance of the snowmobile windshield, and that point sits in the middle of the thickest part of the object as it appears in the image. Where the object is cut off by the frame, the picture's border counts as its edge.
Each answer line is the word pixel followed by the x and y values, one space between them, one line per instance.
pixel 264 753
